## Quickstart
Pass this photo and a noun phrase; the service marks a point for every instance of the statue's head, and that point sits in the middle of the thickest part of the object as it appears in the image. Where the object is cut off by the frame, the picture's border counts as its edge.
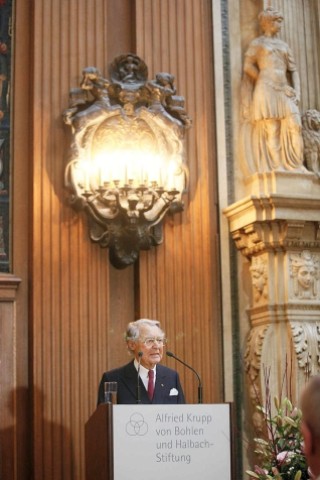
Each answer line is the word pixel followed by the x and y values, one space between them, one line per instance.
pixel 268 17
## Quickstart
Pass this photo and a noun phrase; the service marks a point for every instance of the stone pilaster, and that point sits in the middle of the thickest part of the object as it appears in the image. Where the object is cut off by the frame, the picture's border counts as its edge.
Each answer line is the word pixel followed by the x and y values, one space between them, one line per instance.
pixel 276 227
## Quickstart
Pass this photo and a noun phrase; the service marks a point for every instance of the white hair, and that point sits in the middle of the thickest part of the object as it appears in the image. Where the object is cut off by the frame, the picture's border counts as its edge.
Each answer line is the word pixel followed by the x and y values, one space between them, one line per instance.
pixel 133 328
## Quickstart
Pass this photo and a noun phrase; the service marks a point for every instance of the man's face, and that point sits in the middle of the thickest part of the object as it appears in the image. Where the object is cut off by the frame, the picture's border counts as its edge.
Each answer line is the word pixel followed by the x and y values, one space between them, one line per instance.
pixel 151 354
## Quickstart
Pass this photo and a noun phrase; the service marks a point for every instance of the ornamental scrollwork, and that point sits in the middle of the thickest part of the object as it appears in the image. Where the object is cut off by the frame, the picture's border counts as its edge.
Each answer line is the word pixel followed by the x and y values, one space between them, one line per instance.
pixel 306 340
pixel 252 358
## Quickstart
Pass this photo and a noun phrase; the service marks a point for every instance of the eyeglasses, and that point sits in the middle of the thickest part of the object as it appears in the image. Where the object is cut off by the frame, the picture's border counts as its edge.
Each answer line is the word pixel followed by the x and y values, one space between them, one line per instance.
pixel 149 342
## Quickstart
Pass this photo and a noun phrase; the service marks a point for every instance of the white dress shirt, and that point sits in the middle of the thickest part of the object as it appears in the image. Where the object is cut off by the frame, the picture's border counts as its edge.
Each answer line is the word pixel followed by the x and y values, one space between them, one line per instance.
pixel 143 374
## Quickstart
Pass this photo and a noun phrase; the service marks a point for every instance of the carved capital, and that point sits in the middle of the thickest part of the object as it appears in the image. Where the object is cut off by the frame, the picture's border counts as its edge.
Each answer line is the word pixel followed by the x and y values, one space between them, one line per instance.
pixel 275 235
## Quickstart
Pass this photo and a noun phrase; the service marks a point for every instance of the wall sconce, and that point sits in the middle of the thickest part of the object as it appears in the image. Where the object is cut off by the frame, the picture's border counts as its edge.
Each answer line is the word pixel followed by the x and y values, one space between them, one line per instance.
pixel 126 168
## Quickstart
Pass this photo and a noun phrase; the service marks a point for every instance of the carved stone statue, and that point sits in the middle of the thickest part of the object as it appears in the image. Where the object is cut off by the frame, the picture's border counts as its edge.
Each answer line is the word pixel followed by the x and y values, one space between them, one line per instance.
pixel 270 93
pixel 311 140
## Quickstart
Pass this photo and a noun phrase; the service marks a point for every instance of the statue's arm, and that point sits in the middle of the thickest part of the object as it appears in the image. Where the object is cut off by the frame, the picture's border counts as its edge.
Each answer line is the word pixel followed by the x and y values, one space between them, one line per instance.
pixel 250 68
pixel 295 78
pixel 250 64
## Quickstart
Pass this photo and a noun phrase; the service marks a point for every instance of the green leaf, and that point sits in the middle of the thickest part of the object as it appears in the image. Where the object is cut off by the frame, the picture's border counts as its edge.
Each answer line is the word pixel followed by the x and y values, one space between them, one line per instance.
pixel 298 475
pixel 260 441
pixel 287 403
pixel 290 421
pixel 277 403
pixel 282 434
pixel 252 474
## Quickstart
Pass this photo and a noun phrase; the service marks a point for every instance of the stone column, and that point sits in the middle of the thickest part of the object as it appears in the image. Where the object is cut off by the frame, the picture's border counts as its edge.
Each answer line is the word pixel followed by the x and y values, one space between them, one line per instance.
pixel 276 227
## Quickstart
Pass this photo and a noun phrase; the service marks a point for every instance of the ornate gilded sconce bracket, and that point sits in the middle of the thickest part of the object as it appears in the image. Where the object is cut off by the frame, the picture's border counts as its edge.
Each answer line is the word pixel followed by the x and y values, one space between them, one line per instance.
pixel 126 168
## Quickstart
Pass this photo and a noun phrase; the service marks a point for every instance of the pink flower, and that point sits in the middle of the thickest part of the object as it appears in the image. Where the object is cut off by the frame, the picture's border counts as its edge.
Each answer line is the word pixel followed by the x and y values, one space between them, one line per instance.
pixel 260 470
pixel 282 457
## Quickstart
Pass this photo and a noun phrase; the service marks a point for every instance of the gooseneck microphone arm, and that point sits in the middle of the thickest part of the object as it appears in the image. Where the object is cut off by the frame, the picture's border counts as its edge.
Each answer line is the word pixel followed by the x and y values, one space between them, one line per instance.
pixel 138 377
pixel 170 354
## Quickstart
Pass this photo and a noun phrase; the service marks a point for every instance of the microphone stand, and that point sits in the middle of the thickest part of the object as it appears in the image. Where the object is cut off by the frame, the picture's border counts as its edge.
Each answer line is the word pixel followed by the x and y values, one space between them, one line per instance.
pixel 138 377
pixel 170 354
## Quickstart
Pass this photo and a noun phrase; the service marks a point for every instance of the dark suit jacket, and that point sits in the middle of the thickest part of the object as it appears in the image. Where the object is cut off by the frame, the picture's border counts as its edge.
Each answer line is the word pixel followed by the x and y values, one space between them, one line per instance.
pixel 126 377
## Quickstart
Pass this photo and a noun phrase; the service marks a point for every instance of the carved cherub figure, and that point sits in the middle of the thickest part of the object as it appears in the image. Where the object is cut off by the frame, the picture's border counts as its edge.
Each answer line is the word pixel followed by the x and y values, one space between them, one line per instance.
pixel 161 90
pixel 165 100
pixel 93 83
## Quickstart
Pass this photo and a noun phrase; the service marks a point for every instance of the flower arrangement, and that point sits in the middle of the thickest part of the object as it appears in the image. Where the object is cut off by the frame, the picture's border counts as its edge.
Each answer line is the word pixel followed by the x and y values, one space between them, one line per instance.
pixel 281 452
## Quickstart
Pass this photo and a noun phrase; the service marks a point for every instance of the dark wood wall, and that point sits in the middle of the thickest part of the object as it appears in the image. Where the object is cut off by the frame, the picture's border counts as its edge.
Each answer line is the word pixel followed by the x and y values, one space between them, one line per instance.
pixel 64 305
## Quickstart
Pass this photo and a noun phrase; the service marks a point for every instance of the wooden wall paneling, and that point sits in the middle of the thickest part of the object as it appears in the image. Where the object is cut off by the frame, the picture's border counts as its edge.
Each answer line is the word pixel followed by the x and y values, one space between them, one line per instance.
pixel 14 310
pixel 183 272
pixel 11 393
pixel 121 306
pixel 121 311
pixel 80 305
pixel 121 28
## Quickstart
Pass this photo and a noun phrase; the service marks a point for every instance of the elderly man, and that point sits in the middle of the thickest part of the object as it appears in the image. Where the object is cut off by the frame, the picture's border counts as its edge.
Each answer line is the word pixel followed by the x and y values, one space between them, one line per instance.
pixel 310 406
pixel 155 383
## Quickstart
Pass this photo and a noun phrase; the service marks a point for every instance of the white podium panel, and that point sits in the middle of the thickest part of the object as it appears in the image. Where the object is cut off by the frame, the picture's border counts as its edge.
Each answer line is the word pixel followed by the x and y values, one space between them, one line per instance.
pixel 172 442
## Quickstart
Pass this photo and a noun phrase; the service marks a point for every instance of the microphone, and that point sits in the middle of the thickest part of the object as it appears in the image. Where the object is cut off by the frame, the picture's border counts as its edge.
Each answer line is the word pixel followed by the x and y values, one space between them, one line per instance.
pixel 138 377
pixel 170 354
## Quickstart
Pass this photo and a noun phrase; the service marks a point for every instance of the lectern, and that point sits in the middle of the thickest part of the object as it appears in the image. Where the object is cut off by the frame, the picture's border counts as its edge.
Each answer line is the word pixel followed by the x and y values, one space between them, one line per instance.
pixel 159 442
pixel 99 444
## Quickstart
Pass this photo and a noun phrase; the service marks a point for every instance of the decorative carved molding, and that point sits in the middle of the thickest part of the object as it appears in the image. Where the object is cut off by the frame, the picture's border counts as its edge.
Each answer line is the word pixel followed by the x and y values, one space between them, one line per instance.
pixel 304 273
pixel 306 340
pixel 126 167
pixel 8 287
pixel 252 358
pixel 311 140
pixel 252 361
pixel 276 235
pixel 259 278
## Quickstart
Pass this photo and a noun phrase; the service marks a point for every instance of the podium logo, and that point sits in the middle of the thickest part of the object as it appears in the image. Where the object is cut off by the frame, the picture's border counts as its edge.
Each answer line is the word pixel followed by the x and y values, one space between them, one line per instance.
pixel 136 425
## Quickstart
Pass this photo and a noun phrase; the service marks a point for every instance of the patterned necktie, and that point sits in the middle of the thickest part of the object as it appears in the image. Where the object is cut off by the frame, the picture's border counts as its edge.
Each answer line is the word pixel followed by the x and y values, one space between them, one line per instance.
pixel 151 384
